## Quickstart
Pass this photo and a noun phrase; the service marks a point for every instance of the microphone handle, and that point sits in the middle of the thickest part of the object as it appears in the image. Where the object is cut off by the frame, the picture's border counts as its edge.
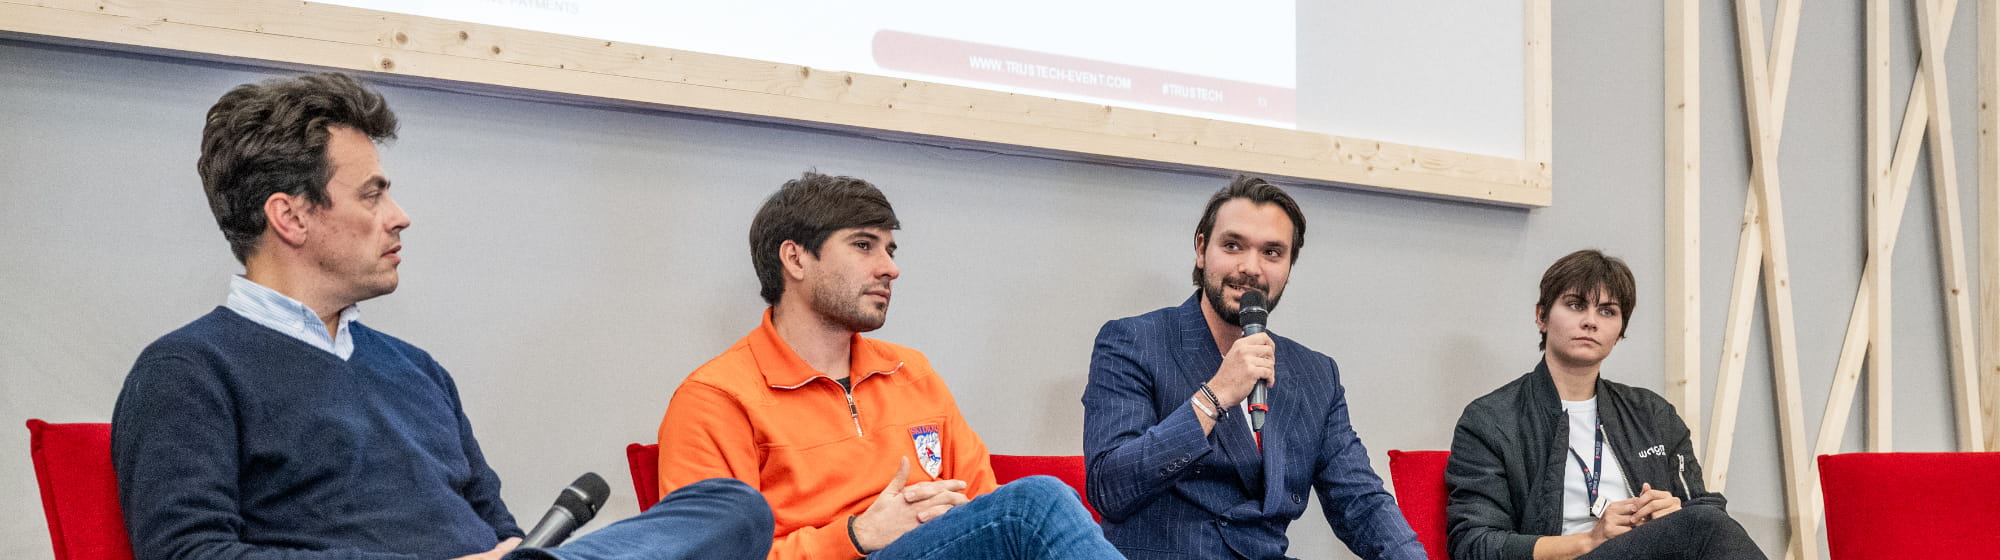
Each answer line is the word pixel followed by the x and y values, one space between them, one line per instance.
pixel 1259 395
pixel 554 528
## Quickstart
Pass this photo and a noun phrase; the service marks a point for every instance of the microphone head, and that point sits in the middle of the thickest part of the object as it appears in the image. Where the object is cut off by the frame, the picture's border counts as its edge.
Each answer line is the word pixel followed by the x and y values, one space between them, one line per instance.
pixel 1252 311
pixel 584 497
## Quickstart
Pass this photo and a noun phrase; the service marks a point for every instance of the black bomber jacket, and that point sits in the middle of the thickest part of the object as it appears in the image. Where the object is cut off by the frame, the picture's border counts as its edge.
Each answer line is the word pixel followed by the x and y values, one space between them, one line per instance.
pixel 1509 452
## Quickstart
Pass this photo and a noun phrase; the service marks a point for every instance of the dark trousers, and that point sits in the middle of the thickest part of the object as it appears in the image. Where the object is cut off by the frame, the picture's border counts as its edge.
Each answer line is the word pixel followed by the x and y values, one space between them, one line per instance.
pixel 1693 533
pixel 714 518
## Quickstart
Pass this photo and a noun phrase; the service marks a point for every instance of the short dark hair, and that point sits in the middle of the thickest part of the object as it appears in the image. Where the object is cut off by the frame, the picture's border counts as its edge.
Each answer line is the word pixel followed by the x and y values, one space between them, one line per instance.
pixel 1584 272
pixel 807 211
pixel 1259 191
pixel 268 138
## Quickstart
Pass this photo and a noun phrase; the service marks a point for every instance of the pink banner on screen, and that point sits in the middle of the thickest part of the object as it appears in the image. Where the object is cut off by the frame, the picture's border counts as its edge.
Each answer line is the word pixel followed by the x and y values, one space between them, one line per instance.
pixel 934 56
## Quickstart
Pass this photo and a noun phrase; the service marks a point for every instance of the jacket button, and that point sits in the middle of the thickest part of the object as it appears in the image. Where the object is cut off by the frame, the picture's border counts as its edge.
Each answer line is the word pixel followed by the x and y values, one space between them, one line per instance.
pixel 1225 523
pixel 1298 499
pixel 1197 469
pixel 1165 472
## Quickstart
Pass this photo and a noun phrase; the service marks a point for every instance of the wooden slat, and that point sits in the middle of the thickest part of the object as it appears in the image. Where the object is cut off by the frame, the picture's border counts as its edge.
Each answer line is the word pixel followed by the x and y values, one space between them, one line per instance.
pixel 1877 274
pixel 1749 245
pixel 1683 213
pixel 1847 369
pixel 1735 347
pixel 1538 69
pixel 452 54
pixel 1879 434
pixel 1765 120
pixel 1989 217
pixel 1959 340
pixel 1894 199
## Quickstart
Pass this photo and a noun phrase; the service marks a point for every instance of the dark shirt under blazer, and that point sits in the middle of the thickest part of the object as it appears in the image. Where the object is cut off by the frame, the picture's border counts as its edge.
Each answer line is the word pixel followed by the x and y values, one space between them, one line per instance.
pixel 1166 491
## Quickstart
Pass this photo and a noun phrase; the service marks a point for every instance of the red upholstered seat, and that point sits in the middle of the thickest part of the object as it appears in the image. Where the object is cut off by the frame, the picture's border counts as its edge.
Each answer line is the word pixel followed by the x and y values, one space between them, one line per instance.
pixel 1420 493
pixel 1910 505
pixel 79 490
pixel 645 461
pixel 1068 468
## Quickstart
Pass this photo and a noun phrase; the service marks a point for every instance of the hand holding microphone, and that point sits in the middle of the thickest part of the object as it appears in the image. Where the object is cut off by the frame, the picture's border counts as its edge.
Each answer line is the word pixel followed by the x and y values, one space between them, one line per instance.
pixel 1250 362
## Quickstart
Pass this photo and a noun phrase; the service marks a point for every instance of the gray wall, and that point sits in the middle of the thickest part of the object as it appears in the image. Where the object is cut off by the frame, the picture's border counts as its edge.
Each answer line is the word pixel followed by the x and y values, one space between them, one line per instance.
pixel 570 264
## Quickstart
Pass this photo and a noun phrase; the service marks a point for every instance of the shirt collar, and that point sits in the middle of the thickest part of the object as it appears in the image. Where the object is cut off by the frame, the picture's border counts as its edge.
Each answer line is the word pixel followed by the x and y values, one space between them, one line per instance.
pixel 784 369
pixel 276 311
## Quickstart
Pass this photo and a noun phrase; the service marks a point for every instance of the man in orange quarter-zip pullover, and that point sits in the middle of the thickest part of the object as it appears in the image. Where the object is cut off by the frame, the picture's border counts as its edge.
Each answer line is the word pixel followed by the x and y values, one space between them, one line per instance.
pixel 856 443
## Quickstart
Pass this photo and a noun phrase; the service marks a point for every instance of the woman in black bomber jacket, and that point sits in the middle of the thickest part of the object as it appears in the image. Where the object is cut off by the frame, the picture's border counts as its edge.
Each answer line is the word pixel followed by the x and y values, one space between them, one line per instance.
pixel 1622 484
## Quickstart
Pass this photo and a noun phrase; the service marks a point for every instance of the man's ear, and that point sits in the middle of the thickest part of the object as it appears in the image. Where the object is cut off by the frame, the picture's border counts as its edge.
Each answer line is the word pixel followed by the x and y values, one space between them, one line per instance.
pixel 1200 248
pixel 794 259
pixel 285 216
pixel 1541 318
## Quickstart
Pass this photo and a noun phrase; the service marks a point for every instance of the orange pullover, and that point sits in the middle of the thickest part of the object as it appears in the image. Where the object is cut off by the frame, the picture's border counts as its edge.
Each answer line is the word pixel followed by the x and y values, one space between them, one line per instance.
pixel 819 453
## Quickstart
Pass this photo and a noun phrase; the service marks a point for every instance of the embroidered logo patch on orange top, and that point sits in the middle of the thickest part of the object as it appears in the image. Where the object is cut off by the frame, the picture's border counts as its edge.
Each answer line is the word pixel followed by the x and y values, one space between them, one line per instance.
pixel 929 440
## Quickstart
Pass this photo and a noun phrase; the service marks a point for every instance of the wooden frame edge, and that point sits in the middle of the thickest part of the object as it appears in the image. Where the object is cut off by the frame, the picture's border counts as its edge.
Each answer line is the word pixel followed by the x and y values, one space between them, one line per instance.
pixel 454 54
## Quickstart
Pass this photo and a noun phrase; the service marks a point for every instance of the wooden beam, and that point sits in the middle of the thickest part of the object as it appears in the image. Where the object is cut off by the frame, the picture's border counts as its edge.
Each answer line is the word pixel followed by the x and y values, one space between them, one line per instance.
pixel 1989 217
pixel 1749 248
pixel 1887 223
pixel 1539 79
pixel 1959 340
pixel 1683 208
pixel 458 55
pixel 1761 87
pixel 1886 211
pixel 1735 348
pixel 1881 241
pixel 1847 370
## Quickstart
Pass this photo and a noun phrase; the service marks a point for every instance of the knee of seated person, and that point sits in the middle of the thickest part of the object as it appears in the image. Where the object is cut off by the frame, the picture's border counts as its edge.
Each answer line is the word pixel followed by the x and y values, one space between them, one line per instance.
pixel 723 488
pixel 740 497
pixel 1038 489
pixel 1702 516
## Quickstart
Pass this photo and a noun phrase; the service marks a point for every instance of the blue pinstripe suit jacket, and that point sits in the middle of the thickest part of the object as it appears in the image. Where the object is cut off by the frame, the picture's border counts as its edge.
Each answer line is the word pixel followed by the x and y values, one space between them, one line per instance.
pixel 1167 491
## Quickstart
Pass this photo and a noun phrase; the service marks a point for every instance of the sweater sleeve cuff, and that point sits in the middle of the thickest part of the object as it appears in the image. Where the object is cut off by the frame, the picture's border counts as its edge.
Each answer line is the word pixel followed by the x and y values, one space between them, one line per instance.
pixel 1519 546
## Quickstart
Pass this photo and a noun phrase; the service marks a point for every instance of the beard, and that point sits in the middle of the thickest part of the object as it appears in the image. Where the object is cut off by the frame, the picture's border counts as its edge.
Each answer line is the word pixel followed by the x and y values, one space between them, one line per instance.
pixel 1232 311
pixel 842 306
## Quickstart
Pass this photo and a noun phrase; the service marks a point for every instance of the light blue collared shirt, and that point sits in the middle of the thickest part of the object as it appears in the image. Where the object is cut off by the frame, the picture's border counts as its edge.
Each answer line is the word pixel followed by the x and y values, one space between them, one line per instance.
pixel 278 312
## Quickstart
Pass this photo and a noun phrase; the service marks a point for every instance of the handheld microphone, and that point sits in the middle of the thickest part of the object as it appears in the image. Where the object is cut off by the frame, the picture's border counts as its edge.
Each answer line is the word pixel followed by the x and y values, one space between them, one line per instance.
pixel 1252 316
pixel 574 507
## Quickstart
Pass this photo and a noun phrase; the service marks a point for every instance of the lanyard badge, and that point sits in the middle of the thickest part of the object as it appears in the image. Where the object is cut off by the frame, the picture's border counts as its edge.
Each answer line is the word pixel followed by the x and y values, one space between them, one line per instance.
pixel 1594 473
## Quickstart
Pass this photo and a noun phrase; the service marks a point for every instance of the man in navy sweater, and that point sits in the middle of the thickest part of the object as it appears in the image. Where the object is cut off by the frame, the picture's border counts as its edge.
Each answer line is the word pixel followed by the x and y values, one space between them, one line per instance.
pixel 279 427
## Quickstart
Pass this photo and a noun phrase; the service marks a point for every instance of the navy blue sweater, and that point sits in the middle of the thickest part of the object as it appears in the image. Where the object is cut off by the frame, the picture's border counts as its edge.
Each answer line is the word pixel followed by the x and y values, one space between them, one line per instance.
pixel 234 441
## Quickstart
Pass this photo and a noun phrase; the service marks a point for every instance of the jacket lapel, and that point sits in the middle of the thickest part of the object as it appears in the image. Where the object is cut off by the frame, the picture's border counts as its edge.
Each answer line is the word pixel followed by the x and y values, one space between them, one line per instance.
pixel 1283 419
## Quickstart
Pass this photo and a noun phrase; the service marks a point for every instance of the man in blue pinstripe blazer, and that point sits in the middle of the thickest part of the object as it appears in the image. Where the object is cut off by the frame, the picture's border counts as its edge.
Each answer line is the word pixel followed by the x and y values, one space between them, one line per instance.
pixel 1174 465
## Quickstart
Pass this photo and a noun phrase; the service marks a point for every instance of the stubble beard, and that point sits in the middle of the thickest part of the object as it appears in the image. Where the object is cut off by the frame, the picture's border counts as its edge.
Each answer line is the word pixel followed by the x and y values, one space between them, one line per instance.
pixel 842 306
pixel 1211 288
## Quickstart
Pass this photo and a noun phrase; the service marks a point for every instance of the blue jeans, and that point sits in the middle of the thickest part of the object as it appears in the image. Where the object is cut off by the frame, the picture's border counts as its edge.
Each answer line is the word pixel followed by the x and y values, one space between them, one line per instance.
pixel 1031 518
pixel 714 518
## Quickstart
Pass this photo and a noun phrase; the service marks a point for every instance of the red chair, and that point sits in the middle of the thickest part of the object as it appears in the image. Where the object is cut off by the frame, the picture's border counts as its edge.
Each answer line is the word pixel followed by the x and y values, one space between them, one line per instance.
pixel 1910 505
pixel 79 490
pixel 645 461
pixel 1420 493
pixel 1068 468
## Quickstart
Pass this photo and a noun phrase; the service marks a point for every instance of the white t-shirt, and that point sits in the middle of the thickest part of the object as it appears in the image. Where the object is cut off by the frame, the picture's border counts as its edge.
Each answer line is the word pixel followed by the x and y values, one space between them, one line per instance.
pixel 1583 443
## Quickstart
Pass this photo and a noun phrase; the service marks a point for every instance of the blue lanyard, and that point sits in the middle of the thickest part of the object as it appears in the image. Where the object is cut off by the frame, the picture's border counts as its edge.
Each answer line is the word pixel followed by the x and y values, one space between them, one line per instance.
pixel 1592 475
